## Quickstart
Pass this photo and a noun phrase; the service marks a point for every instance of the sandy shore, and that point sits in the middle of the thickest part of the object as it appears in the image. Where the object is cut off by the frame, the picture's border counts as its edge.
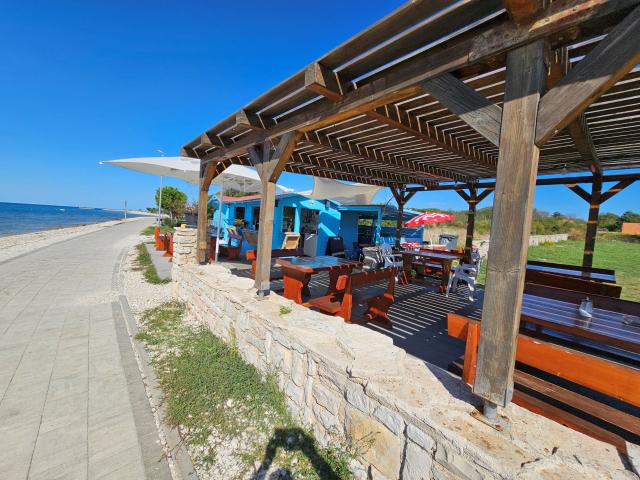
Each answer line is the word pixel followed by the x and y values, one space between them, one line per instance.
pixel 14 245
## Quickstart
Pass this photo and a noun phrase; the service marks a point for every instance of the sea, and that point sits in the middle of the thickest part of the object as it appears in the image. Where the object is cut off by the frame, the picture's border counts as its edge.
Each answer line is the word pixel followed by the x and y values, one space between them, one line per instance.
pixel 16 218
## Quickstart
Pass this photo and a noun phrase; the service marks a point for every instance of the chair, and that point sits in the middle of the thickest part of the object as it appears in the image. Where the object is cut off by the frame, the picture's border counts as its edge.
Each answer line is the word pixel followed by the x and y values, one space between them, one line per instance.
pixel 373 259
pixel 467 272
pixel 390 258
pixel 291 240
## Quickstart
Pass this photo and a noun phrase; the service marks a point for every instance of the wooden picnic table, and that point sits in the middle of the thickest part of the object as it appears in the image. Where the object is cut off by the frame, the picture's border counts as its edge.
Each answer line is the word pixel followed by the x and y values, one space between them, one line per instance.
pixel 571 271
pixel 612 328
pixel 443 260
pixel 297 271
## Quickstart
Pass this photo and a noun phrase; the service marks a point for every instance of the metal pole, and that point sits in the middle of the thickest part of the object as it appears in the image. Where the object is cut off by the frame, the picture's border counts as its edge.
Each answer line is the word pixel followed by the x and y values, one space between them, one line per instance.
pixel 219 219
pixel 125 209
pixel 160 204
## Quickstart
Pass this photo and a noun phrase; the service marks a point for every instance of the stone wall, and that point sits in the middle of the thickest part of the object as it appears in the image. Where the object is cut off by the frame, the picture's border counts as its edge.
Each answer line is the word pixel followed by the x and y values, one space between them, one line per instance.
pixel 410 419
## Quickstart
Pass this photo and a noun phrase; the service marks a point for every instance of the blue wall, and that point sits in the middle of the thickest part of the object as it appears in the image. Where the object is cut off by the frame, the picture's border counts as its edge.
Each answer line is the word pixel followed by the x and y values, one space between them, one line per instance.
pixel 333 221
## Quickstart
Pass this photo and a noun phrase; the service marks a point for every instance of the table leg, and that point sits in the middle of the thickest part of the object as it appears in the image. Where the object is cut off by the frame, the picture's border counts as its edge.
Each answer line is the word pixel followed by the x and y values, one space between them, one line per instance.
pixel 406 269
pixel 295 284
pixel 333 278
pixel 446 273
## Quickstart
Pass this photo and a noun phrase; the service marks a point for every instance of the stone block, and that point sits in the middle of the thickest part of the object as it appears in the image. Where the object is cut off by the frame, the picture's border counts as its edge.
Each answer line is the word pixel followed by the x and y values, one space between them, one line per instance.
pixel 355 396
pixel 327 397
pixel 328 420
pixel 299 369
pixel 417 463
pixel 457 464
pixel 383 448
pixel 294 392
pixel 280 358
pixel 389 419
pixel 421 438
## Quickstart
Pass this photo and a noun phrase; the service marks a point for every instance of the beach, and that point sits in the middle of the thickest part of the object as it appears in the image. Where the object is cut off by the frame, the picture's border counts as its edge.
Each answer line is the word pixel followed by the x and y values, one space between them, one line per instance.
pixel 15 245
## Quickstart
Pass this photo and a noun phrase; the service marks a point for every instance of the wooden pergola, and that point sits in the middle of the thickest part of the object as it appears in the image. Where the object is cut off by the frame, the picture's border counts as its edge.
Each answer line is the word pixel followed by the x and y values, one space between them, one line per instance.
pixel 467 95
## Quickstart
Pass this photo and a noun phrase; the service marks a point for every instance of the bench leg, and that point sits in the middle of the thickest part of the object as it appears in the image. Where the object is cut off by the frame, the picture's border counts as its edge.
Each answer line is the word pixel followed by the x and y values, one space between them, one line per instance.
pixel 378 308
pixel 471 353
pixel 295 284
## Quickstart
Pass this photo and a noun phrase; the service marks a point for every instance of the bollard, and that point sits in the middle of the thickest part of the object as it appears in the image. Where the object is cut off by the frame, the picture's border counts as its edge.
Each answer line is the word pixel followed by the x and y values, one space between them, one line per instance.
pixel 167 245
pixel 156 236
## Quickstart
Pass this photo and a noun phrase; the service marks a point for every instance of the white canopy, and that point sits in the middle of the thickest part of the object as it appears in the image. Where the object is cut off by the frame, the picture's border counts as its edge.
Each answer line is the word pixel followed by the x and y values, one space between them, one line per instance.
pixel 187 169
pixel 236 177
pixel 343 193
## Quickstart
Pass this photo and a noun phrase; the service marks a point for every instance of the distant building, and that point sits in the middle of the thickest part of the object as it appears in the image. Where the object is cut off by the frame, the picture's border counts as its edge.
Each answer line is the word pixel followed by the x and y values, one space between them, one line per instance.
pixel 316 221
pixel 631 228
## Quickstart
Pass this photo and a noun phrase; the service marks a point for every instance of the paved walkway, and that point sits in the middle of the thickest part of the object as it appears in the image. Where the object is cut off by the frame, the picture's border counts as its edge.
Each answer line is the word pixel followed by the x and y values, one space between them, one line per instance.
pixel 72 402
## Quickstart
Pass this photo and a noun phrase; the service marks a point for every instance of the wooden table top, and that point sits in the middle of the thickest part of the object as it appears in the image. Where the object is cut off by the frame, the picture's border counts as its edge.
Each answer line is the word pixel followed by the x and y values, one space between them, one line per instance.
pixel 573 272
pixel 606 326
pixel 317 264
pixel 433 254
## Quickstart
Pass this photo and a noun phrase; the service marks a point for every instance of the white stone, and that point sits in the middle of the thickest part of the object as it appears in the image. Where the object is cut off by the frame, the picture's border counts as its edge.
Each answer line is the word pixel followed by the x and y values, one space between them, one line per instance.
pixel 326 397
pixel 420 437
pixel 355 396
pixel 417 463
pixel 389 419
pixel 299 369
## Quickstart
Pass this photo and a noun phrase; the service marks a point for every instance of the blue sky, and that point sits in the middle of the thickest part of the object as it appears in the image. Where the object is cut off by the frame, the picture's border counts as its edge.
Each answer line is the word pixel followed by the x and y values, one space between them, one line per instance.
pixel 89 81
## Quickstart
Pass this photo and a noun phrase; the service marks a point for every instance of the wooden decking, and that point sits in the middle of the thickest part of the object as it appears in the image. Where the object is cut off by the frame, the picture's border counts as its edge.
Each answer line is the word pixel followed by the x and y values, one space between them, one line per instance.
pixel 418 315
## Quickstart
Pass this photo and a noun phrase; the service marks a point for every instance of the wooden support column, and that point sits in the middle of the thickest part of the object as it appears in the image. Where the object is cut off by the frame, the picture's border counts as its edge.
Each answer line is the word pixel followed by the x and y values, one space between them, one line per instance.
pixel 402 197
pixel 512 212
pixel 473 198
pixel 207 173
pixel 269 166
pixel 592 221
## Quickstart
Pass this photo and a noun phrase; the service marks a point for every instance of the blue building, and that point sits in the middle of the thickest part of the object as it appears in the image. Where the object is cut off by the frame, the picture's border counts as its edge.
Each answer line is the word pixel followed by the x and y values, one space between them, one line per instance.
pixel 315 220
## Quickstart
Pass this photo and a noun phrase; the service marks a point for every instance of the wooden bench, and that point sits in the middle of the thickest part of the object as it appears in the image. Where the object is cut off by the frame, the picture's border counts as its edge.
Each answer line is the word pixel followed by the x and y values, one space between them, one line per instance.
pixel 599 301
pixel 252 256
pixel 572 409
pixel 350 291
pixel 572 283
pixel 605 271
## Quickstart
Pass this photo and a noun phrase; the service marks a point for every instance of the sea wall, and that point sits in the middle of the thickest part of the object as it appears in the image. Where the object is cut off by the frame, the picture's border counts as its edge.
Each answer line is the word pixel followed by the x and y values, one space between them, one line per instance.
pixel 410 420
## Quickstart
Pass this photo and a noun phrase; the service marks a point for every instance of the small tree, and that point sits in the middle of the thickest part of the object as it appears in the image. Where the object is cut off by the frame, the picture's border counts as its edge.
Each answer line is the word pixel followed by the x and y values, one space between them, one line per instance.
pixel 174 201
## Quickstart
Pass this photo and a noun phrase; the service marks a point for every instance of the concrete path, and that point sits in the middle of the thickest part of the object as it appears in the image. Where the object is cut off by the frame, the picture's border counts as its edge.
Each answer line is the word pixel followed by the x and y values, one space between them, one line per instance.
pixel 72 402
pixel 162 263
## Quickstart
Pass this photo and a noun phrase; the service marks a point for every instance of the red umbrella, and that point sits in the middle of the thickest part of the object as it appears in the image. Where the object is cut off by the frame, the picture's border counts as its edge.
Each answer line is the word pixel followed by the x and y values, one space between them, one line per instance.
pixel 429 218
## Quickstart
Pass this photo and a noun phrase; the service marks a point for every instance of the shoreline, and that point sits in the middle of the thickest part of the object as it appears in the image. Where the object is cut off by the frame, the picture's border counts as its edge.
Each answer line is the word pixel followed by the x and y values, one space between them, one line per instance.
pixel 12 246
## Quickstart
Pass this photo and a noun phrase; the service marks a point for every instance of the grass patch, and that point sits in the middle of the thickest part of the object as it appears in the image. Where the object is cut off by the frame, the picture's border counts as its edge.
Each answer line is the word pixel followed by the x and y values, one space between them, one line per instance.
pixel 285 310
pixel 232 417
pixel 145 264
pixel 150 230
pixel 619 252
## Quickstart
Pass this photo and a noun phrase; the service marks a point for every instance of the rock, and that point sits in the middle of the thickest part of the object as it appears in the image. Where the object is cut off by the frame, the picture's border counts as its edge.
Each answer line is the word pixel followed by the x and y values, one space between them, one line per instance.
pixel 417 463
pixel 329 399
pixel 391 420
pixel 384 450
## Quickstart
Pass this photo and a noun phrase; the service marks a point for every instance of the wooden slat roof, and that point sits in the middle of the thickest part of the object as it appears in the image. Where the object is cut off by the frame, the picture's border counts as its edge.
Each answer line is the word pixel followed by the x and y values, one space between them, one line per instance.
pixel 384 129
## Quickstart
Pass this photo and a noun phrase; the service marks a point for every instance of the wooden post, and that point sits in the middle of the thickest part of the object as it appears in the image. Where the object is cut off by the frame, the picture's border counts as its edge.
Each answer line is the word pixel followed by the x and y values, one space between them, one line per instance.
pixel 402 197
pixel 269 166
pixel 512 212
pixel 203 224
pixel 592 221
pixel 471 222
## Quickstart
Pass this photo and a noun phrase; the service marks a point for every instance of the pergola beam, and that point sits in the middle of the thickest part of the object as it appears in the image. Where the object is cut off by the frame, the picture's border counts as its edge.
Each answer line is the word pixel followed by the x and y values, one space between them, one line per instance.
pixel 541 181
pixel 402 81
pixel 323 81
pixel 404 167
pixel 471 107
pixel 608 62
pixel 523 10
